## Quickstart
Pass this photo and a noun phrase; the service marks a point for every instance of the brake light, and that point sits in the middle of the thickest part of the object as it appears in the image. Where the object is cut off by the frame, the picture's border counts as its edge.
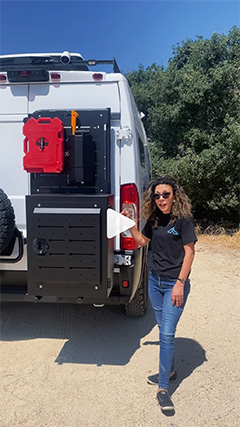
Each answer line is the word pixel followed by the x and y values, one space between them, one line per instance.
pixel 97 77
pixel 25 73
pixel 129 199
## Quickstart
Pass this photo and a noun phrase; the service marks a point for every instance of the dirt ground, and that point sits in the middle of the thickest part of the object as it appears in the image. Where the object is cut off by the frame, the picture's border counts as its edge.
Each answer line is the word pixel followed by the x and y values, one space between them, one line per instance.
pixel 65 365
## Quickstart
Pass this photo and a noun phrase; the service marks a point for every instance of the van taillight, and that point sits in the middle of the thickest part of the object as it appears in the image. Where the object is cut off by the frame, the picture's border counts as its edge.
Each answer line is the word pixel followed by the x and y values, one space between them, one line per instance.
pixel 97 77
pixel 3 78
pixel 129 199
pixel 55 76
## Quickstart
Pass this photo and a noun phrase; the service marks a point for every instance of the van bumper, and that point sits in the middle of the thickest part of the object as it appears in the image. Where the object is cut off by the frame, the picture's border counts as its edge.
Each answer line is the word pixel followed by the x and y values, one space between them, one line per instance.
pixel 14 285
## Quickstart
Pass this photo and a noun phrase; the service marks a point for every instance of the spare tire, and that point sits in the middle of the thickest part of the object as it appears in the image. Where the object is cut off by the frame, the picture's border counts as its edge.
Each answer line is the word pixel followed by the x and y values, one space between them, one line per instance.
pixel 7 221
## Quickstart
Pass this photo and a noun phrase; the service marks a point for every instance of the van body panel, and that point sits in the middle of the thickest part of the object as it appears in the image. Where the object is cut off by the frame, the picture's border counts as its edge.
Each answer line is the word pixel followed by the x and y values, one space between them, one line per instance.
pixel 74 96
pixel 13 178
pixel 14 99
pixel 21 265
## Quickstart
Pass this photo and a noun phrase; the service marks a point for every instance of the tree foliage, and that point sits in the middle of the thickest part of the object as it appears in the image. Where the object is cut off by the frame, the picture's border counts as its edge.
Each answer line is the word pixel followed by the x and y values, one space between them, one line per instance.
pixel 192 118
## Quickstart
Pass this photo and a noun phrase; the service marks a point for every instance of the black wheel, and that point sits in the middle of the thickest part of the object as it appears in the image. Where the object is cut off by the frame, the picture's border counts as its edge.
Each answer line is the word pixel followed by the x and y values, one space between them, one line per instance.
pixel 7 221
pixel 139 304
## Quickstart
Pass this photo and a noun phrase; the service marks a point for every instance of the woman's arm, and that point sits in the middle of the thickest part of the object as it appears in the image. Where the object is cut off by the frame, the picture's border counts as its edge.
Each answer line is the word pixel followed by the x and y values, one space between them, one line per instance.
pixel 138 236
pixel 177 292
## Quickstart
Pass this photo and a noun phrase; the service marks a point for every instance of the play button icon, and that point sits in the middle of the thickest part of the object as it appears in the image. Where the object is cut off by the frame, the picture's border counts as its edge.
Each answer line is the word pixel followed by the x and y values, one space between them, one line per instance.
pixel 117 223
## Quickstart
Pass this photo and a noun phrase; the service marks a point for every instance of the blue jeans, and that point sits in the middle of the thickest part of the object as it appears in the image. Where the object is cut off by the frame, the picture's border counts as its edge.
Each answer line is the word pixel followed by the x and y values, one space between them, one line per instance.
pixel 167 317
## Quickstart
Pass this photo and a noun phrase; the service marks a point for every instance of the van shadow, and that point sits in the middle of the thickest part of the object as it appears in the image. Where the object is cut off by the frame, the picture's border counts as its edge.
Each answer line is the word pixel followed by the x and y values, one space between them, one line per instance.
pixel 189 355
pixel 99 336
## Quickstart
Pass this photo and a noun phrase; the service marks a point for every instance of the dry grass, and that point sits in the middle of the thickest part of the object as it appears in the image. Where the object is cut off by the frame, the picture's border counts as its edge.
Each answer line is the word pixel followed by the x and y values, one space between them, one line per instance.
pixel 223 240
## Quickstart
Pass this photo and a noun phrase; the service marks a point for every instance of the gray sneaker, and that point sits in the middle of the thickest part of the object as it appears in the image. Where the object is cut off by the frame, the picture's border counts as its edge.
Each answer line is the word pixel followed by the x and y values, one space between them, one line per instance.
pixel 153 379
pixel 165 401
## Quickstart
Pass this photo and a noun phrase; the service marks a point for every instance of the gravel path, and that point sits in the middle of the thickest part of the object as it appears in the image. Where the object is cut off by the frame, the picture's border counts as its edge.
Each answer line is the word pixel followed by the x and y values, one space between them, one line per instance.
pixel 65 365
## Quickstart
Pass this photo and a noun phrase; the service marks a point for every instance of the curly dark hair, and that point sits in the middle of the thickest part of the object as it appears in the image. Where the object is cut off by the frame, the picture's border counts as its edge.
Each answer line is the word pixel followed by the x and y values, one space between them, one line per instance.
pixel 181 207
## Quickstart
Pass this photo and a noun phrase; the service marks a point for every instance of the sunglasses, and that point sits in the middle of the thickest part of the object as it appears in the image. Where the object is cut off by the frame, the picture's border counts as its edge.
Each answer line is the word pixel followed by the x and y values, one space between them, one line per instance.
pixel 157 196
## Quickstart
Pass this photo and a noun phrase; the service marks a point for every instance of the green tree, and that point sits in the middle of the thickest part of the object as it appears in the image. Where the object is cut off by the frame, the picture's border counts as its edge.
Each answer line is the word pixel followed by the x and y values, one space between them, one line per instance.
pixel 192 118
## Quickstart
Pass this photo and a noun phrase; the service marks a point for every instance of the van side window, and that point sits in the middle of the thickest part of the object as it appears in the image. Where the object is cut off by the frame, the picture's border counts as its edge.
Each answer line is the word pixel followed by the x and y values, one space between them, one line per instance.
pixel 144 166
pixel 148 163
pixel 142 154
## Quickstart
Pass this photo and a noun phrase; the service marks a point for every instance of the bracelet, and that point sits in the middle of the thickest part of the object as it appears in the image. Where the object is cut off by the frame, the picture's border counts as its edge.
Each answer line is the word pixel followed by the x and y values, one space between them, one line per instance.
pixel 181 280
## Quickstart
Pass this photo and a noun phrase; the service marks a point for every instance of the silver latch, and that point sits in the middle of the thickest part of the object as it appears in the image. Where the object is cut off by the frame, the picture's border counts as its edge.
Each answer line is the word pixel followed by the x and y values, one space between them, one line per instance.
pixel 124 134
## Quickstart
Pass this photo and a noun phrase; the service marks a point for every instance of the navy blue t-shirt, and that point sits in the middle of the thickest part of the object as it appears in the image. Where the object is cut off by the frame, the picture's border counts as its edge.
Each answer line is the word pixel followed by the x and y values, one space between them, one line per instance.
pixel 166 250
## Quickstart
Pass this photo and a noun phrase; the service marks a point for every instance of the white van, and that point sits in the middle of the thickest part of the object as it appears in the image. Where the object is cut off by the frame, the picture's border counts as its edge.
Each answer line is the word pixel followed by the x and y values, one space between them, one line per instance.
pixel 72 146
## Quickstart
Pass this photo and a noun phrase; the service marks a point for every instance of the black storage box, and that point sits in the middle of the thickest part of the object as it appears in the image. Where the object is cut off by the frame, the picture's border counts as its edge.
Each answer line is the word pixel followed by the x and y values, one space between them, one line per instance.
pixel 68 251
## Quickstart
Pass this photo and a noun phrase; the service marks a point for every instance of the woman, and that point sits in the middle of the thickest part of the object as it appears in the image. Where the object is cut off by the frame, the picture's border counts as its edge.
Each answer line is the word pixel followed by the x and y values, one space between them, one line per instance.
pixel 170 231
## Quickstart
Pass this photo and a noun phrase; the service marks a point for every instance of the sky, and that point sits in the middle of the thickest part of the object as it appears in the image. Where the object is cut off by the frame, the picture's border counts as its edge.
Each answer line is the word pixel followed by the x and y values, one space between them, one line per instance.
pixel 134 32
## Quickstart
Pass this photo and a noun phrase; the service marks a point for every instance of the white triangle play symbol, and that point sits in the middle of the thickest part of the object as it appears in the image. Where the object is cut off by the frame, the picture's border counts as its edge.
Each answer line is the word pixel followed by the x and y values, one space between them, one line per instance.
pixel 117 223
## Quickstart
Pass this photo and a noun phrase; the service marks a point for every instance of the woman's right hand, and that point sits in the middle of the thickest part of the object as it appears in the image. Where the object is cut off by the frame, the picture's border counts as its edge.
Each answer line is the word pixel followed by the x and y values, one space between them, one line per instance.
pixel 125 213
pixel 136 234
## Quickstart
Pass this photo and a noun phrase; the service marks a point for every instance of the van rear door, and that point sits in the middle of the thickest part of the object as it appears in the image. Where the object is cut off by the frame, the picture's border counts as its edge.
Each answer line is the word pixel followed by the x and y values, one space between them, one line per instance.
pixel 14 180
pixel 79 95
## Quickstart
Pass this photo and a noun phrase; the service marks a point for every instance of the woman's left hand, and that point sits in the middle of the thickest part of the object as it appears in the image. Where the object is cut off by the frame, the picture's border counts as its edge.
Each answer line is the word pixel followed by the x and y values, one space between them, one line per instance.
pixel 177 294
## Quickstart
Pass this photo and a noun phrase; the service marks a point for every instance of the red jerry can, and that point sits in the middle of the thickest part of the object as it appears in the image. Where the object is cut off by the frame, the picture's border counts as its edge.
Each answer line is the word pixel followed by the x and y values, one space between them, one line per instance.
pixel 43 145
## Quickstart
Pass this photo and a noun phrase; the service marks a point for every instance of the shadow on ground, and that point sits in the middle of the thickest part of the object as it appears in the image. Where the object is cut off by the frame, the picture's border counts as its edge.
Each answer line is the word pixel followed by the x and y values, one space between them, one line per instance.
pixel 100 336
